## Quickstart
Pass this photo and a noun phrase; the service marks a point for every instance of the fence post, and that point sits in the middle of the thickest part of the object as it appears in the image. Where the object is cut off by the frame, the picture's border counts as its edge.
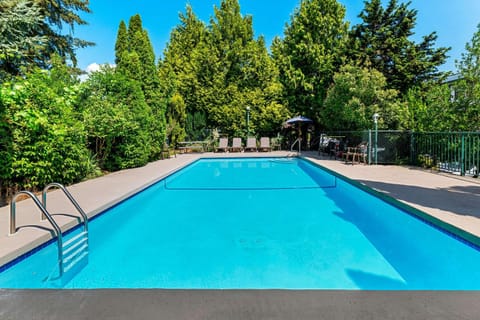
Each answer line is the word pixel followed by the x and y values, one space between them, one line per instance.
pixel 412 148
pixel 462 156
pixel 369 146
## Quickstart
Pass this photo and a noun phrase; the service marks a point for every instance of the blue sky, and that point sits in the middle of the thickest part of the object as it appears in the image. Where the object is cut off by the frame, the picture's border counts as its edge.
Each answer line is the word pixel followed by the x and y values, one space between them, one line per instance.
pixel 454 21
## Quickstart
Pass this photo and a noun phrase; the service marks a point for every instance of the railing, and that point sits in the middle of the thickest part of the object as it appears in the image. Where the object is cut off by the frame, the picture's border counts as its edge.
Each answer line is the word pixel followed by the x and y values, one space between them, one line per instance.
pixel 299 142
pixel 57 230
pixel 453 152
pixel 72 251
pixel 70 197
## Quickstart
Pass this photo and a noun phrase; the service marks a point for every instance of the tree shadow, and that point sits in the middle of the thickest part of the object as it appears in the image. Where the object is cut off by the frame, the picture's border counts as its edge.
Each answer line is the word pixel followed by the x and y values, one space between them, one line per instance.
pixel 462 200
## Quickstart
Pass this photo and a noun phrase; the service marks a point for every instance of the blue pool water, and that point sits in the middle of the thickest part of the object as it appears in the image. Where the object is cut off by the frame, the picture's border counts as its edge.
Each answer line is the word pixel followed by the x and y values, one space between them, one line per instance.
pixel 257 224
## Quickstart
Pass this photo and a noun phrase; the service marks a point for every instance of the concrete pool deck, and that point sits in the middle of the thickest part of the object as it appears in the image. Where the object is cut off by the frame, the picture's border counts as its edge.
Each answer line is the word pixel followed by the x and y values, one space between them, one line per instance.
pixel 449 198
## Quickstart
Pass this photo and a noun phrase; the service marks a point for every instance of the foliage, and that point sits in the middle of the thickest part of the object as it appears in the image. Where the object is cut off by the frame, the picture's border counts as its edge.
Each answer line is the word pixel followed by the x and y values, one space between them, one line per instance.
pixel 383 42
pixel 136 60
pixel 42 139
pixel 18 21
pixel 221 69
pixel 310 53
pixel 431 109
pixel 33 33
pixel 117 120
pixel 467 97
pixel 356 94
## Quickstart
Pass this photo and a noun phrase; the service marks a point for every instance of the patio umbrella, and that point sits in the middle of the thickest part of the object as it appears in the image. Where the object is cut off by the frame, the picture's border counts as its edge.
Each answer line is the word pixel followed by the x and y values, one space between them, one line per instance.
pixel 299 119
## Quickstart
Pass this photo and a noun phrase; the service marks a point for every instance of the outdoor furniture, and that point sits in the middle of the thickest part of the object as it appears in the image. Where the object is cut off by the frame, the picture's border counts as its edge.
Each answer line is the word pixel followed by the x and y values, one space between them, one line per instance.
pixel 265 144
pixel 251 144
pixel 236 145
pixel 167 152
pixel 190 146
pixel 358 153
pixel 222 145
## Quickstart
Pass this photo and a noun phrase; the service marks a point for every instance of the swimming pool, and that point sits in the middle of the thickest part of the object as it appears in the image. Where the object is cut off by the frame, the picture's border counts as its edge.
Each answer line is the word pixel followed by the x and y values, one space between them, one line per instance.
pixel 258 224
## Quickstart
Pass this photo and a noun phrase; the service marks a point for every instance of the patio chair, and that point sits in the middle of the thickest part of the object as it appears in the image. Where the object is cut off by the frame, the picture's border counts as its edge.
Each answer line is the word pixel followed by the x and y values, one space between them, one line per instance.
pixel 222 145
pixel 265 144
pixel 251 144
pixel 236 145
pixel 167 151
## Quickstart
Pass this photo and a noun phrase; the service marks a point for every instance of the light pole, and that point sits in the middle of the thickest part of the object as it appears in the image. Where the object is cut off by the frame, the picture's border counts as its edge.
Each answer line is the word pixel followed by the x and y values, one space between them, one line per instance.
pixel 375 121
pixel 248 119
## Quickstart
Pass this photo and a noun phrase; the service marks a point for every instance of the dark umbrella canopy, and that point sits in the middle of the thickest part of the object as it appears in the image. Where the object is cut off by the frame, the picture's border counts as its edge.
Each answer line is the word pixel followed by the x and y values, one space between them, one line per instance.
pixel 299 119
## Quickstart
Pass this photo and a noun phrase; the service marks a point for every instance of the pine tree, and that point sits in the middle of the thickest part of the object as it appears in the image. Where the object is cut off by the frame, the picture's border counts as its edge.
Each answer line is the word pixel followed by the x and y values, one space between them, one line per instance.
pixel 310 53
pixel 121 45
pixel 382 41
pixel 136 59
pixel 219 70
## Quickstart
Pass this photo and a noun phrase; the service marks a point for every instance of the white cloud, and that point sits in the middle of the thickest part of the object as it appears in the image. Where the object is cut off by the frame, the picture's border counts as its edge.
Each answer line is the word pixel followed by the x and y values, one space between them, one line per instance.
pixel 93 67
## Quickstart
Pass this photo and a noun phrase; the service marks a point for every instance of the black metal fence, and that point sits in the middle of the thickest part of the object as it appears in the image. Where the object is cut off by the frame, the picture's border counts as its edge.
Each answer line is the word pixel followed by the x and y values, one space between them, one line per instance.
pixel 453 152
pixel 384 146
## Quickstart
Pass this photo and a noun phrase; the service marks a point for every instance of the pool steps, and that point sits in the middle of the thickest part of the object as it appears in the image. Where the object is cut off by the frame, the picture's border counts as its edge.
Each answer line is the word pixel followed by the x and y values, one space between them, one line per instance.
pixel 71 252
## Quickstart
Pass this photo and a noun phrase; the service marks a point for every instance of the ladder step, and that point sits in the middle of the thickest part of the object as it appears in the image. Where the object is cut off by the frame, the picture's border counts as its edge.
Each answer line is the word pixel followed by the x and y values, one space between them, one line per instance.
pixel 78 236
pixel 72 255
pixel 73 247
pixel 74 262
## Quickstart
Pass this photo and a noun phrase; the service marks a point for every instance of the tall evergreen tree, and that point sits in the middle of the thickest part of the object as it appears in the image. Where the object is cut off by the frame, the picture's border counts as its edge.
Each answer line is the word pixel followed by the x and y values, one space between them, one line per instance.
pixel 136 60
pixel 121 45
pixel 310 53
pixel 382 41
pixel 220 70
pixel 49 33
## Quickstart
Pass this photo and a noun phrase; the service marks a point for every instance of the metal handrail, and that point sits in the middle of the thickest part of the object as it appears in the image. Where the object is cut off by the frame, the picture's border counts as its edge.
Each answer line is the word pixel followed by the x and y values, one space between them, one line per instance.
pixel 70 197
pixel 299 141
pixel 58 231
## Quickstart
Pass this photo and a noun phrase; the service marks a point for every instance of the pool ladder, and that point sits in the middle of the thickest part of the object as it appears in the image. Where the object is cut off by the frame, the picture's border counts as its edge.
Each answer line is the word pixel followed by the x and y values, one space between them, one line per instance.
pixel 70 252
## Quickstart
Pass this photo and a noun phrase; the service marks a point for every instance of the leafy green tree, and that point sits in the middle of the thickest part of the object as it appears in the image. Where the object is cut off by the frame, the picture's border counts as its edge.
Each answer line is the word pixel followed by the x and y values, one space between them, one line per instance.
pixel 431 109
pixel 383 42
pixel 41 137
pixel 467 97
pixel 358 93
pixel 117 120
pixel 310 53
pixel 136 60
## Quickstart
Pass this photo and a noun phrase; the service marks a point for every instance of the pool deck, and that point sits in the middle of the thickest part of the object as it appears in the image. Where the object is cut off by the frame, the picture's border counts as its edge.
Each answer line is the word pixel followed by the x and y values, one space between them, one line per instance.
pixel 452 199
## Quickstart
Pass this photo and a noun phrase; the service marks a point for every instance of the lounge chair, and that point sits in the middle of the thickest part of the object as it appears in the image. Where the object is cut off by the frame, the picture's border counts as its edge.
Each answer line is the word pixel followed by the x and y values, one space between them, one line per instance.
pixel 265 144
pixel 222 145
pixel 251 144
pixel 236 145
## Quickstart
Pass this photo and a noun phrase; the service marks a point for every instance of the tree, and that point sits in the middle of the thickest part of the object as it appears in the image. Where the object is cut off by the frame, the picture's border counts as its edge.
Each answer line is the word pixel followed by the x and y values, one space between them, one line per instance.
pixel 358 93
pixel 18 21
pixel 40 23
pixel 41 137
pixel 219 70
pixel 310 53
pixel 117 120
pixel 136 60
pixel 382 42
pixel 467 102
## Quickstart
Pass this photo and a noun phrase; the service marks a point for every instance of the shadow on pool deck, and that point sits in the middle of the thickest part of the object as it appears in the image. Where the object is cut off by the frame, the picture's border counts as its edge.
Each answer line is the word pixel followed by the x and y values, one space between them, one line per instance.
pixel 466 200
